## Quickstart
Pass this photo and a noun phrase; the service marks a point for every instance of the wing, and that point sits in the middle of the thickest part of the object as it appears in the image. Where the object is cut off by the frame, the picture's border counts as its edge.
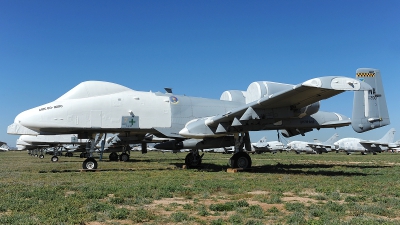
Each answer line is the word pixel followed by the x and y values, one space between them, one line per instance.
pixel 299 96
pixel 281 104
pixel 370 143
pixel 317 145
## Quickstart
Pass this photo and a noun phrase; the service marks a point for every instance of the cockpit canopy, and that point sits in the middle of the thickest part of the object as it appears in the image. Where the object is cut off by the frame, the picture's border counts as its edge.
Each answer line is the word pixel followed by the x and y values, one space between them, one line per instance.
pixel 89 89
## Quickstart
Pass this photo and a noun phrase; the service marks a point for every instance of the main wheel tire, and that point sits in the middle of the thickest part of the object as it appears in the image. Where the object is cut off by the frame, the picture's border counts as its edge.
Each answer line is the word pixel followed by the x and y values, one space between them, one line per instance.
pixel 124 157
pixel 89 164
pixel 190 161
pixel 240 160
pixel 54 159
pixel 41 156
pixel 113 156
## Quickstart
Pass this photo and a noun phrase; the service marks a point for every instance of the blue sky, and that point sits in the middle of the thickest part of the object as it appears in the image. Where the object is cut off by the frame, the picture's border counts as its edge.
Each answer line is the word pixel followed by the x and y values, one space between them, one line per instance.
pixel 199 48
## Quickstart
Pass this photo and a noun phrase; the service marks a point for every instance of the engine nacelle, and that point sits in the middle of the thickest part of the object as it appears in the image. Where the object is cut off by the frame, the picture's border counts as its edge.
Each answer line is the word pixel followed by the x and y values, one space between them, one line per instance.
pixel 255 91
pixel 293 132
pixel 260 89
pixel 234 96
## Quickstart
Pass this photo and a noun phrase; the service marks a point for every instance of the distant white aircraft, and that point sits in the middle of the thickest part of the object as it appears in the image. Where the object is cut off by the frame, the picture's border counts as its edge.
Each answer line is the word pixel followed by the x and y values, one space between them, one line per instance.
pixel 316 147
pixel 267 146
pixel 395 147
pixel 350 145
pixel 4 147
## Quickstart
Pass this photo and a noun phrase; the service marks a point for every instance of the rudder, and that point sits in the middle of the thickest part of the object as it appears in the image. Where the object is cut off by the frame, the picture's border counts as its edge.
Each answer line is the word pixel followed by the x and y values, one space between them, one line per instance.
pixel 369 107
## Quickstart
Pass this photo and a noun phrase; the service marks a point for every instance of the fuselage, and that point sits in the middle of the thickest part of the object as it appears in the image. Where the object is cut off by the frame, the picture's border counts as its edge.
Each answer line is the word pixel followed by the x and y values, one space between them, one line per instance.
pixel 102 107
pixel 300 146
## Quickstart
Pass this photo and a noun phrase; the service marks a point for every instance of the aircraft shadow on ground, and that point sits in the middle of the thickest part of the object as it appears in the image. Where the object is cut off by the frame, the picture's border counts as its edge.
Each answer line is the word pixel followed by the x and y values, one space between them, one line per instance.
pixel 317 169
pixel 308 168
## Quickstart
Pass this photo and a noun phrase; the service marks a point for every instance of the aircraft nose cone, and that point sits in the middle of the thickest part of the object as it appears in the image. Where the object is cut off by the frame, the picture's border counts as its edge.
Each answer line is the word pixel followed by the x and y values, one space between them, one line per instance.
pixel 28 119
pixel 20 117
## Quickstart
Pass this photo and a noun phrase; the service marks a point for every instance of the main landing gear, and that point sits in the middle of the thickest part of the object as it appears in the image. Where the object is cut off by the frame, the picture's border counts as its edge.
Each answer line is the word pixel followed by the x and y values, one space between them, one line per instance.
pixel 193 159
pixel 240 158
pixel 115 157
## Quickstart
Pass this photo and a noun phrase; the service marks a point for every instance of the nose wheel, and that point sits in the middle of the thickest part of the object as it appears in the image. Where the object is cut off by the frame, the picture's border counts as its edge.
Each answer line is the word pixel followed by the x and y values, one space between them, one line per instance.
pixel 54 159
pixel 89 164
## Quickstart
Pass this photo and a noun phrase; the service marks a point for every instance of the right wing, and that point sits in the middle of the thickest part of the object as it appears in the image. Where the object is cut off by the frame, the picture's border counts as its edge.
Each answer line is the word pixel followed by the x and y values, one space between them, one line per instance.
pixel 288 100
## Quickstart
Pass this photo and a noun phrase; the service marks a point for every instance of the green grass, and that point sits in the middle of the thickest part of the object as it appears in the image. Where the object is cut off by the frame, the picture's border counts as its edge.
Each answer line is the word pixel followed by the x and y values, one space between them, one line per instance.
pixel 152 189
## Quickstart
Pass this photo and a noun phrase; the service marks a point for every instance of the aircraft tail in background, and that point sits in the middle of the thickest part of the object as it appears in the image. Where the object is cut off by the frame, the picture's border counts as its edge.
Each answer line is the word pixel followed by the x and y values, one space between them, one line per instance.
pixel 332 139
pixel 389 137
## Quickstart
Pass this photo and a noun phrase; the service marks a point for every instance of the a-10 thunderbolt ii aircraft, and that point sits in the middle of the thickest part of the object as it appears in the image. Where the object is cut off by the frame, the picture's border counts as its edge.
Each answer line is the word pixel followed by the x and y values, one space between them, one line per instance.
pixel 316 147
pixel 350 145
pixel 199 123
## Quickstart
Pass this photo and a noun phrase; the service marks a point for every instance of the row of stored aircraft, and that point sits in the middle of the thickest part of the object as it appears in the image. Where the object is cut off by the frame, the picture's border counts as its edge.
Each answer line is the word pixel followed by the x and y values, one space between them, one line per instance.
pixel 54 144
pixel 97 107
pixel 349 145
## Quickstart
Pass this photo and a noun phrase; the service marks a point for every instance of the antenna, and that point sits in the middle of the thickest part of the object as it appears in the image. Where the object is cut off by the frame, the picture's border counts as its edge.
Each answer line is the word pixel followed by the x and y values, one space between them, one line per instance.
pixel 168 90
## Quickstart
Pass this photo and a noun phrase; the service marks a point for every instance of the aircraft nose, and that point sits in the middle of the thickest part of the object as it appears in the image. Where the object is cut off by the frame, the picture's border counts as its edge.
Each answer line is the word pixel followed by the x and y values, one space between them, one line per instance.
pixel 28 118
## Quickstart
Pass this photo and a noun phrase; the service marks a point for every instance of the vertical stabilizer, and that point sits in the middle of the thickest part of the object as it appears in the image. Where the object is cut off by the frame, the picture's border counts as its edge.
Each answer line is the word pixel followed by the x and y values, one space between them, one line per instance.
pixel 332 139
pixel 369 107
pixel 389 137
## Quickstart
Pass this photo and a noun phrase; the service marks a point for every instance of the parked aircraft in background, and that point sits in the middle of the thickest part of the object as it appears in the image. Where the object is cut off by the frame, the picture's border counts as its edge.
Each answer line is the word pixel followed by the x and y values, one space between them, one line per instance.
pixel 267 146
pixel 350 145
pixel 316 147
pixel 55 144
pixel 395 147
pixel 4 147
pixel 197 123
pixel 40 144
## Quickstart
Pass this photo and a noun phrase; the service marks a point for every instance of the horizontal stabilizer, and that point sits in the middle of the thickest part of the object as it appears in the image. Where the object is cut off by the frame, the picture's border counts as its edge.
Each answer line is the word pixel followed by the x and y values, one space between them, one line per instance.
pixel 16 128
